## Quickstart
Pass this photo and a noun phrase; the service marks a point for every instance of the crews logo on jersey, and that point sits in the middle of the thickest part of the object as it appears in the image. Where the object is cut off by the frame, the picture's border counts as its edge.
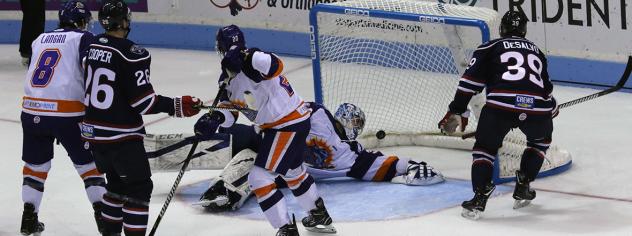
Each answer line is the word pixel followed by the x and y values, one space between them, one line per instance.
pixel 87 131
pixel 525 101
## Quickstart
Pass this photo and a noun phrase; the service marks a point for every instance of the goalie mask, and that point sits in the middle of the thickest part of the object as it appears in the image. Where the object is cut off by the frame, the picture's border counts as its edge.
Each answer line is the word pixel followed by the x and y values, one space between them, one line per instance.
pixel 351 118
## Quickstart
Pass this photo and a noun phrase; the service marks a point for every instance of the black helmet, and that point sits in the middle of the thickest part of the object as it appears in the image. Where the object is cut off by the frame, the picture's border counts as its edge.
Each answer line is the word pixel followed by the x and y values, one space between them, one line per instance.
pixel 228 36
pixel 113 13
pixel 514 23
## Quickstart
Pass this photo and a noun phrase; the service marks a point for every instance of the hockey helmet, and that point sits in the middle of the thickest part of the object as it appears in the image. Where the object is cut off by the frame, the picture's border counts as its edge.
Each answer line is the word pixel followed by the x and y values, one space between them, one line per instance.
pixel 352 118
pixel 513 23
pixel 227 37
pixel 74 14
pixel 113 14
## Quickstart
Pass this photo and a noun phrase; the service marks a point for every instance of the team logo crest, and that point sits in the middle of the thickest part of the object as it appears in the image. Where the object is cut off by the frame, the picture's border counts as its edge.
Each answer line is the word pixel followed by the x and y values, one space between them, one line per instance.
pixel 527 102
pixel 319 154
pixel 460 2
pixel 87 131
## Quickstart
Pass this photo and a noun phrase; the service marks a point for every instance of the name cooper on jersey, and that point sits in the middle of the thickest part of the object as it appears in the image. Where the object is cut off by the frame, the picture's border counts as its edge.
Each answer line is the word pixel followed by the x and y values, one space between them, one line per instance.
pixel 99 55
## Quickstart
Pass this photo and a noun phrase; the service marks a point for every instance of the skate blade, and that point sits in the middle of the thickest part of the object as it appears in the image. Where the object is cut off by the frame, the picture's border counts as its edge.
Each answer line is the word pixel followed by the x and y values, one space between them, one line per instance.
pixel 521 203
pixel 327 229
pixel 32 234
pixel 472 215
pixel 219 201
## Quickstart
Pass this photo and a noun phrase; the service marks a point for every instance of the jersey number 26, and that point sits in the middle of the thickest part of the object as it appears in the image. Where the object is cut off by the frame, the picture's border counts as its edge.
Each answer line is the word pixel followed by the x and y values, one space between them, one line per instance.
pixel 94 88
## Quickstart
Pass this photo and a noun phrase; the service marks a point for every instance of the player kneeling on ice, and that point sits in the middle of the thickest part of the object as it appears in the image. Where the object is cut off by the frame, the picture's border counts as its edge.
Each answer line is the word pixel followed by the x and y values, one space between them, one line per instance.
pixel 519 95
pixel 332 152
pixel 252 79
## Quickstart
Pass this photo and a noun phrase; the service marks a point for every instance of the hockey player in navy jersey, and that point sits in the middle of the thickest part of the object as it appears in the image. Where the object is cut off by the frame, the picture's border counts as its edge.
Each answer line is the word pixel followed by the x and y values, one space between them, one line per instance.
pixel 118 93
pixel 332 152
pixel 51 109
pixel 252 79
pixel 513 70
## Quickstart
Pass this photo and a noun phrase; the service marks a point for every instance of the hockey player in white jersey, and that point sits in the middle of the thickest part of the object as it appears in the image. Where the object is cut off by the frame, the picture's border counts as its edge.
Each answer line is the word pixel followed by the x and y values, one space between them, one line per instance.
pixel 332 152
pixel 252 79
pixel 52 108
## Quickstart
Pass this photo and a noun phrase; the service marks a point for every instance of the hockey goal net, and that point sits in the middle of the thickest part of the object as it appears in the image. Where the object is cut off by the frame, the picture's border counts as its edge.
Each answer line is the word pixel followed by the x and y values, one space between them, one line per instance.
pixel 400 61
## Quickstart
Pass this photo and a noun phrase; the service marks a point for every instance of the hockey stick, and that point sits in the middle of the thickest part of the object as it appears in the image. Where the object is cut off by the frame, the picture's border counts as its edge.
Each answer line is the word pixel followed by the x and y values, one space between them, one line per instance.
pixel 247 112
pixel 172 192
pixel 618 86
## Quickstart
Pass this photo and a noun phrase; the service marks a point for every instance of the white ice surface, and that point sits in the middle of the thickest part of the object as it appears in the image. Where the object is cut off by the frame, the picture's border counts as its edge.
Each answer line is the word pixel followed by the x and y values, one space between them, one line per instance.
pixel 593 198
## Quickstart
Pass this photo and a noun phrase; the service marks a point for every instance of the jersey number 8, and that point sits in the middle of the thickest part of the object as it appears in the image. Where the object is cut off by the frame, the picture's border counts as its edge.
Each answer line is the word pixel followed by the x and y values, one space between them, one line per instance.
pixel 517 71
pixel 45 67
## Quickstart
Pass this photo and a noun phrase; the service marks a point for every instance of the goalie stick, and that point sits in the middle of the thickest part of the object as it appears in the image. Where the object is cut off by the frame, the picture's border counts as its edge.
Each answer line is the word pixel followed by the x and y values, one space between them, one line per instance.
pixel 618 86
pixel 172 192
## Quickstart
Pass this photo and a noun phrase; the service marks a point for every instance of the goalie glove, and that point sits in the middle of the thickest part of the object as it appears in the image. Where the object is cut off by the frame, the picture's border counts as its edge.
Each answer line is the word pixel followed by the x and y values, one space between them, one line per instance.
pixel 452 120
pixel 207 125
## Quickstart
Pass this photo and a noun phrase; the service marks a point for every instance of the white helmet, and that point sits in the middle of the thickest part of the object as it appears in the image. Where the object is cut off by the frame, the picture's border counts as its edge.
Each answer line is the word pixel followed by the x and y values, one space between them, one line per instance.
pixel 352 119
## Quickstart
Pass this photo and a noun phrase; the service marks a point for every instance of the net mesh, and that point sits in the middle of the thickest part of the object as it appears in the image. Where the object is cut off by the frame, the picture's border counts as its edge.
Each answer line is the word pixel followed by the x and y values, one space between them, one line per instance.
pixel 403 74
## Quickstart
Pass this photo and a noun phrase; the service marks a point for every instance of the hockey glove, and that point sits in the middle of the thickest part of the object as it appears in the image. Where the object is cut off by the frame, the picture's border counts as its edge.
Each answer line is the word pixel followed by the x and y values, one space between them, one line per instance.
pixel 186 106
pixel 452 120
pixel 234 7
pixel 207 124
pixel 233 61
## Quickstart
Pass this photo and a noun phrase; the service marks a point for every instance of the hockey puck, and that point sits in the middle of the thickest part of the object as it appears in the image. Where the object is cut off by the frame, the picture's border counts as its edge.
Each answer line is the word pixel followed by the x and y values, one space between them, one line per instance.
pixel 380 134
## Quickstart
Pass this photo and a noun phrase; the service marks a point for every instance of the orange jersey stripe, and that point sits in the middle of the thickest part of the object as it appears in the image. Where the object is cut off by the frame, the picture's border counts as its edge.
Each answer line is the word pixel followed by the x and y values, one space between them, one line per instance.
pixel 52 105
pixel 278 71
pixel 381 172
pixel 93 172
pixel 292 116
pixel 282 141
pixel 265 190
pixel 293 183
pixel 29 171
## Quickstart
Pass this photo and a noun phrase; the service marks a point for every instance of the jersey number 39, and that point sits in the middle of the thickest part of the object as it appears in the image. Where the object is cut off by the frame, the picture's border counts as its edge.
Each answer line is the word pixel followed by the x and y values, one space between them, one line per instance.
pixel 517 71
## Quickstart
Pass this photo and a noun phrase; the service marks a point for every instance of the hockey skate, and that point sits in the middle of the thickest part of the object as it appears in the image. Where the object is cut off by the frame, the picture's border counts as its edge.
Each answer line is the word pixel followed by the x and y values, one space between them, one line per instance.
pixel 523 194
pixel 419 174
pixel 288 229
pixel 216 198
pixel 473 209
pixel 319 220
pixel 30 223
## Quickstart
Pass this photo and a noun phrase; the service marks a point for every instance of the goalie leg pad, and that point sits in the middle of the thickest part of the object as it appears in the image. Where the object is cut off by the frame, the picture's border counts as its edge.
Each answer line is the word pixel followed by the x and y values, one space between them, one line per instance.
pixel 230 190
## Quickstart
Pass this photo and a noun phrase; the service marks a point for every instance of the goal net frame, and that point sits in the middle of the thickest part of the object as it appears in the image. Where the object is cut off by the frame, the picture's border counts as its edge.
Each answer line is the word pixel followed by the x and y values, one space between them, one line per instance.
pixel 435 138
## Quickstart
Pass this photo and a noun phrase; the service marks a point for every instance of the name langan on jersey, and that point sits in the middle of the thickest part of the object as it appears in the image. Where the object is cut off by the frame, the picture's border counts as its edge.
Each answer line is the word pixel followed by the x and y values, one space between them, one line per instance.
pixel 54 38
pixel 99 55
